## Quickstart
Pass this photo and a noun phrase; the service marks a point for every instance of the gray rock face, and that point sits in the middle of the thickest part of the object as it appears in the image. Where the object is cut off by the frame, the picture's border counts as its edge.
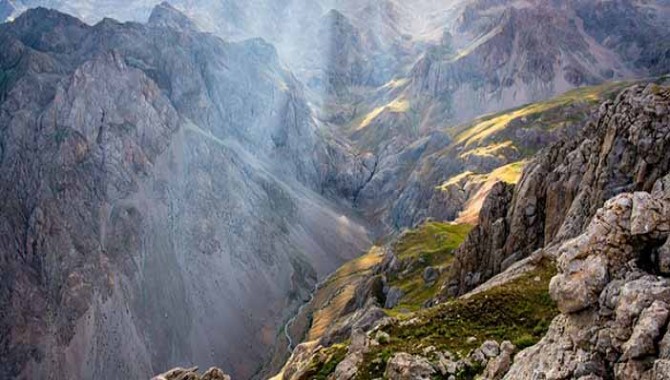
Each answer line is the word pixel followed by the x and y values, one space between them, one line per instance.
pixel 393 297
pixel 404 366
pixel 430 275
pixel 498 366
pixel 622 149
pixel 480 256
pixel 163 194
pixel 617 330
pixel 192 374
pixel 504 53
pixel 348 367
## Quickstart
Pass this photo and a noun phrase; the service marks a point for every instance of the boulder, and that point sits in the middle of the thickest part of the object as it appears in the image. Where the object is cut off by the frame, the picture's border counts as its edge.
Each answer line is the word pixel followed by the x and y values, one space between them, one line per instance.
pixel 393 297
pixel 192 374
pixel 430 275
pixel 403 366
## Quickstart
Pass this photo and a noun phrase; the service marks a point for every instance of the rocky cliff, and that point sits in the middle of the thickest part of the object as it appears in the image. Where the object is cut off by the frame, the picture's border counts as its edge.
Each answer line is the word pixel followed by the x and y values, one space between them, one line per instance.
pixel 164 197
pixel 613 293
pixel 622 149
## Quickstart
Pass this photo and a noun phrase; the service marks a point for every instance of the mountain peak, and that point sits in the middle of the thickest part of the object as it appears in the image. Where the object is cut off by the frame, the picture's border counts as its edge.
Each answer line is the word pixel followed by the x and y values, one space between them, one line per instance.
pixel 166 16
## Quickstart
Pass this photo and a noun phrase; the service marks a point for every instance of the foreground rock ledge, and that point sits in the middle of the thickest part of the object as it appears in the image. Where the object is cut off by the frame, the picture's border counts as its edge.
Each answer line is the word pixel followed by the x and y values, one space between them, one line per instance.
pixel 192 374
pixel 614 295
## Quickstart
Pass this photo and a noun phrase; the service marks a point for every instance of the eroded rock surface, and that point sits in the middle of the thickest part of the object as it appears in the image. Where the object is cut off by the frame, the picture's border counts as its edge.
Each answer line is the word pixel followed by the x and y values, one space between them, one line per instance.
pixel 624 149
pixel 614 305
pixel 154 209
pixel 192 374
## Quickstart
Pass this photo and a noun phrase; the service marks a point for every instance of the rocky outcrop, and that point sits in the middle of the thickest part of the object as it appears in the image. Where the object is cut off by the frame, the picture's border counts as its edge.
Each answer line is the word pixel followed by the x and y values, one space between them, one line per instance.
pixel 622 149
pixel 480 256
pixel 614 305
pixel 192 374
pixel 404 366
pixel 492 358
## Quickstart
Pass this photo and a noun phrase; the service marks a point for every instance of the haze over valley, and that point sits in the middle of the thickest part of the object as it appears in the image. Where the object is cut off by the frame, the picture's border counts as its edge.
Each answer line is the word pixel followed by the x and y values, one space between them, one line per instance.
pixel 334 189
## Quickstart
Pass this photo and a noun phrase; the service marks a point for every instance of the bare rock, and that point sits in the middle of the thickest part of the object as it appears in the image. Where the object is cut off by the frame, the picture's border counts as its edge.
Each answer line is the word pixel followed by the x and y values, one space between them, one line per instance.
pixel 621 150
pixel 430 275
pixel 192 374
pixel 403 366
pixel 490 349
pixel 498 366
pixel 614 312
pixel 661 370
pixel 647 331
pixel 393 297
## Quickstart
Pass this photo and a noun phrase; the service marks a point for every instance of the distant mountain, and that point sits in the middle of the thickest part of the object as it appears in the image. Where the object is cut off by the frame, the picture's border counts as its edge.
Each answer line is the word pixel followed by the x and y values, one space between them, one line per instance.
pixel 492 56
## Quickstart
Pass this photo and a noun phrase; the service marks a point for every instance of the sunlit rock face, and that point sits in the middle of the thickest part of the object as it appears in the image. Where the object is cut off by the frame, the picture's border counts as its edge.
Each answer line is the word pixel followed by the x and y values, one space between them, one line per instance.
pixel 164 197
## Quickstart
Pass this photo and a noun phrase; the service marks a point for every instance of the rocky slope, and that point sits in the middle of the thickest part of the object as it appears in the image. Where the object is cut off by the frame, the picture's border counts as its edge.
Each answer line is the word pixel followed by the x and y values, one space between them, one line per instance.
pixel 400 80
pixel 623 149
pixel 447 174
pixel 608 297
pixel 168 197
pixel 145 221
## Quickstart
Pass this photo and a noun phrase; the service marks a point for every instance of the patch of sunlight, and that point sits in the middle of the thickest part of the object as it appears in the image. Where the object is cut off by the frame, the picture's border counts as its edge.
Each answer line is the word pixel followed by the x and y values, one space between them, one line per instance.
pixel 399 105
pixel 358 265
pixel 370 117
pixel 509 173
pixel 395 83
pixel 454 180
pixel 488 127
pixel 336 293
pixel 280 375
pixel 493 150
pixel 475 44
pixel 326 316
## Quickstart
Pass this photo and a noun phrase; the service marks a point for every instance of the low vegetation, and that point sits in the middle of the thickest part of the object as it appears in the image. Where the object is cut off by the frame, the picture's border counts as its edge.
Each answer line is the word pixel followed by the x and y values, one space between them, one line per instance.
pixel 519 311
pixel 431 245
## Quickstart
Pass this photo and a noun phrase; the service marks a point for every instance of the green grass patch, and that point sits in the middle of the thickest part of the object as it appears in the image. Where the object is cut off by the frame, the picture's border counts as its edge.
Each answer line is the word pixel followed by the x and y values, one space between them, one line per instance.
pixel 432 244
pixel 432 240
pixel 324 363
pixel 519 311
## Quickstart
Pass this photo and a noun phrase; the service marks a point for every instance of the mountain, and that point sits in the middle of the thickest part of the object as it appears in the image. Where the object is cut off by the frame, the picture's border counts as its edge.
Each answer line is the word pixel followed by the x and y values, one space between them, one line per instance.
pixel 446 173
pixel 6 9
pixel 455 60
pixel 491 57
pixel 167 197
pixel 179 188
pixel 588 299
